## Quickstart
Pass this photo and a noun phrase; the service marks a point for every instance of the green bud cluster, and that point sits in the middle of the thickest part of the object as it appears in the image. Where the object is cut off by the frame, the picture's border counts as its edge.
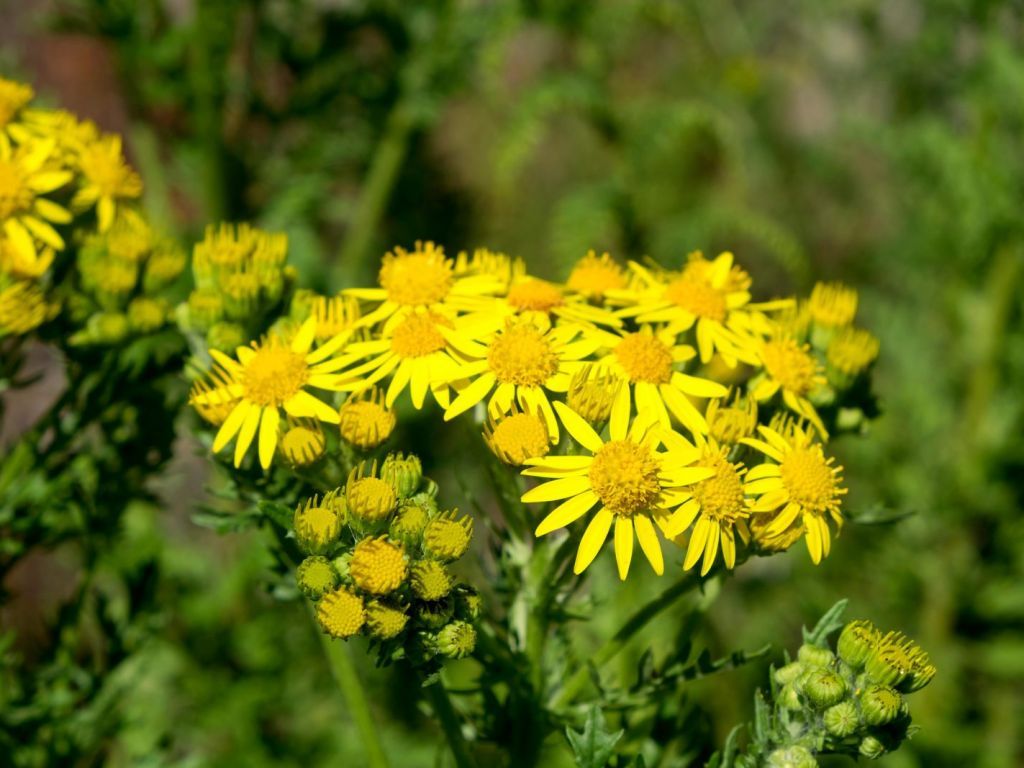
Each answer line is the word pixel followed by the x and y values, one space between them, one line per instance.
pixel 849 701
pixel 379 560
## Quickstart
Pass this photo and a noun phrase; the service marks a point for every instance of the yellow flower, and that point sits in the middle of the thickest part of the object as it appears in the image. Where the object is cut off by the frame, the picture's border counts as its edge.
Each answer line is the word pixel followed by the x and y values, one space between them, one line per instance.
pixel 334 315
pixel 23 264
pixel 646 360
pixel 365 421
pixel 341 613
pixel 635 485
pixel 303 443
pixel 23 308
pixel 712 296
pixel 108 180
pixel 267 377
pixel 413 350
pixel 13 96
pixel 71 135
pixel 803 484
pixel 430 580
pixel 851 351
pixel 318 523
pixel 718 504
pixel 383 621
pixel 593 276
pixel 832 305
pixel 729 423
pixel 211 396
pixel 447 537
pixel 790 367
pixel 421 278
pixel 25 175
pixel 521 363
pixel 516 437
pixel 378 566
pixel 369 498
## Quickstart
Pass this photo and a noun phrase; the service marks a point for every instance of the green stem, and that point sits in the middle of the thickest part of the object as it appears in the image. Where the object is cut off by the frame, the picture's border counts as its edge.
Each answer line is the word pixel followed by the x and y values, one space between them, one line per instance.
pixel 345 675
pixel 617 642
pixel 450 724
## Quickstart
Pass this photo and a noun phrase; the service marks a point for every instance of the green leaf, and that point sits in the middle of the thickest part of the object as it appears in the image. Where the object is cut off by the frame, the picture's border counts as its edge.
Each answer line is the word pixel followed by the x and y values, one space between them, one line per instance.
pixel 827 624
pixel 593 746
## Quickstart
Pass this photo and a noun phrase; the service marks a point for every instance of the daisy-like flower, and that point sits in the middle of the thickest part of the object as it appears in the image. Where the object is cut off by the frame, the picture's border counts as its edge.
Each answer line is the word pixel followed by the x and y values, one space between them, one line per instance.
pixel 802 487
pixel 13 96
pixel 414 351
pixel 790 367
pixel 265 378
pixel 851 351
pixel 647 360
pixel 108 180
pixel 718 504
pixel 520 364
pixel 23 308
pixel 635 485
pixel 712 296
pixel 421 278
pixel 832 305
pixel 593 277
pixel 26 216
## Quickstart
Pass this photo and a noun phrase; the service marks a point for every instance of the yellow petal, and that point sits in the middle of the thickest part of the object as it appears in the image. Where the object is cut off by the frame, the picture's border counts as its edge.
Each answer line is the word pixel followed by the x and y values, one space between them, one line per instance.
pixel 649 543
pixel 470 396
pixel 698 539
pixel 578 427
pixel 268 436
pixel 231 425
pixel 623 545
pixel 567 512
pixel 303 340
pixel 710 547
pixel 562 488
pixel 304 405
pixel 246 433
pixel 593 539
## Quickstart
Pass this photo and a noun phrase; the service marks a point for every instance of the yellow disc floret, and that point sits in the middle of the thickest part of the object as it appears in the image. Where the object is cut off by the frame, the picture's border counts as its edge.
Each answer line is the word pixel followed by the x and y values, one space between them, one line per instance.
pixel 811 480
pixel 447 537
pixel 535 296
pixel 791 365
pixel 593 276
pixel 721 496
pixel 370 498
pixel 422 276
pixel 418 335
pixel 832 305
pixel 518 437
pixel 366 421
pixel 318 524
pixel 341 613
pixel 698 297
pixel 303 444
pixel 644 357
pixel 273 374
pixel 430 580
pixel 383 621
pixel 378 566
pixel 624 475
pixel 522 356
pixel 852 350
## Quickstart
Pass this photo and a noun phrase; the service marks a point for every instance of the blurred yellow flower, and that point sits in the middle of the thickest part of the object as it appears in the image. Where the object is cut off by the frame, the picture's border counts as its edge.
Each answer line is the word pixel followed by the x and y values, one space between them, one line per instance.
pixel 25 215
pixel 107 180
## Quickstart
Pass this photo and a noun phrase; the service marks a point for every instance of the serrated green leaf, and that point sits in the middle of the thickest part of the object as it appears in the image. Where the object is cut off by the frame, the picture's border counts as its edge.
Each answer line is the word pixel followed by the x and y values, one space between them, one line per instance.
pixel 593 746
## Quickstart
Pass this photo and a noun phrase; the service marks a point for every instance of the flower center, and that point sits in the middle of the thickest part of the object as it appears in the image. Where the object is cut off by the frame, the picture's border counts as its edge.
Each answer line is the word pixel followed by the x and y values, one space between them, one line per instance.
pixel 698 297
pixel 521 436
pixel 417 278
pixel 645 358
pixel 417 335
pixel 273 375
pixel 791 365
pixel 522 356
pixel 832 304
pixel 15 194
pixel 721 496
pixel 378 566
pixel 809 479
pixel 103 166
pixel 852 350
pixel 593 276
pixel 624 475
pixel 366 423
pixel 535 296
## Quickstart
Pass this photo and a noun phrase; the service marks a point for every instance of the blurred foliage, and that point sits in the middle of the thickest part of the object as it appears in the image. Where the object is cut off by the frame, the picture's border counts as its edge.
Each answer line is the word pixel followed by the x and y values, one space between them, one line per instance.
pixel 878 143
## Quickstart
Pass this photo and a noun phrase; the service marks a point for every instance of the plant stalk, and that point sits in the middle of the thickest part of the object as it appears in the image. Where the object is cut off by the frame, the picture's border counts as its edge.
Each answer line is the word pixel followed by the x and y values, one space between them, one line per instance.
pixel 449 721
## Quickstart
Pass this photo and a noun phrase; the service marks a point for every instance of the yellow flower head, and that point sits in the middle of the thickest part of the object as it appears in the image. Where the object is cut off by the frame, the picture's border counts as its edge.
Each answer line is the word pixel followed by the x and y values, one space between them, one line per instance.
pixel 303 443
pixel 592 392
pixel 23 308
pixel 635 484
pixel 647 361
pixel 383 621
pixel 851 351
pixel 269 376
pixel 341 613
pixel 318 522
pixel 315 577
pixel 729 423
pixel 369 498
pixel 146 315
pixel 378 566
pixel 593 276
pixel 334 315
pixel 430 580
pixel 25 215
pixel 719 506
pixel 23 264
pixel 108 180
pixel 802 485
pixel 409 523
pixel 517 437
pixel 13 96
pixel 365 421
pixel 483 261
pixel 521 363
pixel 832 305
pixel 447 537
pixel 791 367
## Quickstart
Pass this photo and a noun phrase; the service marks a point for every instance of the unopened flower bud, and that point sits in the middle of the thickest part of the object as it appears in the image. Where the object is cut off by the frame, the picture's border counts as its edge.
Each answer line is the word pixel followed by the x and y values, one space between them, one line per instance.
pixel 317 525
pixel 341 613
pixel 430 580
pixel 468 604
pixel 403 472
pixel 789 673
pixel 824 688
pixel 791 757
pixel 370 499
pixel 789 697
pixel 408 524
pixel 871 748
pixel 225 336
pixel 841 720
pixel 813 656
pixel 880 704
pixel 316 577
pixel 456 640
pixel 384 622
pixel 436 615
pixel 856 642
pixel 447 538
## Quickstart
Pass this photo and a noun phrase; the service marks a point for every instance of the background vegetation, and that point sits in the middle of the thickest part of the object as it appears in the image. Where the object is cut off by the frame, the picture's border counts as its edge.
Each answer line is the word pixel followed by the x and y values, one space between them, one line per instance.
pixel 877 143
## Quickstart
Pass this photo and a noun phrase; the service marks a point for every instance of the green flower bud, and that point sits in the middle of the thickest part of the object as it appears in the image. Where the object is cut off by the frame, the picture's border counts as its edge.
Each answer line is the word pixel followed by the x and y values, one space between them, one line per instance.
pixel 871 748
pixel 813 656
pixel 468 604
pixel 426 499
pixel 435 615
pixel 107 328
pixel 888 665
pixel 430 580
pixel 225 336
pixel 856 643
pixel 457 640
pixel 146 315
pixel 408 524
pixel 316 577
pixel 880 705
pixel 791 757
pixel 841 720
pixel 789 697
pixel 403 472
pixel 824 688
pixel 205 307
pixel 789 673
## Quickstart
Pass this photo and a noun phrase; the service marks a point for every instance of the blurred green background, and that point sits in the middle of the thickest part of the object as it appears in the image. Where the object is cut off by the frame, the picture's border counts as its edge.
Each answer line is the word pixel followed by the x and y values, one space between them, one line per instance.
pixel 874 142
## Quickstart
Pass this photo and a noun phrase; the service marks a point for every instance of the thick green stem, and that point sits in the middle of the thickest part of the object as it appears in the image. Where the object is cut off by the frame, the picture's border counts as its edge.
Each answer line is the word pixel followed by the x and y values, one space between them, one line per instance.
pixel 345 675
pixel 617 642
pixel 449 721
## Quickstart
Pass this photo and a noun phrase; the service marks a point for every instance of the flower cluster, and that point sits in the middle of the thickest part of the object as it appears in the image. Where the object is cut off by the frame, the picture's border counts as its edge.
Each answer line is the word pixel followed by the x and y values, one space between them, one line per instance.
pixel 65 186
pixel 851 701
pixel 378 562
